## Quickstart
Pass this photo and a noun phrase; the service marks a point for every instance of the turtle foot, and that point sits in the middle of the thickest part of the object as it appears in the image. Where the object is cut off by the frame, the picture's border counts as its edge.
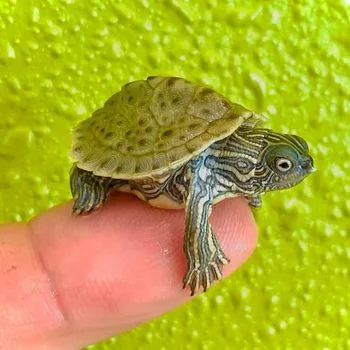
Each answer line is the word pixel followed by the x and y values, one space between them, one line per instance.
pixel 80 208
pixel 203 276
pixel 89 191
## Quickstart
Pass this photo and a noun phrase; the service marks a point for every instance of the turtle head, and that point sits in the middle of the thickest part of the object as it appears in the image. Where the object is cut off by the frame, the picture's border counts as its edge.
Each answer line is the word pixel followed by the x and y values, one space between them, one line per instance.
pixel 284 161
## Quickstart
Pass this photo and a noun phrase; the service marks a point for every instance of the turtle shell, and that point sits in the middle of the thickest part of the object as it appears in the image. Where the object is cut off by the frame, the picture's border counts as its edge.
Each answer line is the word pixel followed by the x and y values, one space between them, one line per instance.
pixel 152 126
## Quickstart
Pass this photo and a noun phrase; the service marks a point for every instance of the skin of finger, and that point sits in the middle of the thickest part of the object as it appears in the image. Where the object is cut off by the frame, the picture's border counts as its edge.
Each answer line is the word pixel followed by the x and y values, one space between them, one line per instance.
pixel 119 266
pixel 26 305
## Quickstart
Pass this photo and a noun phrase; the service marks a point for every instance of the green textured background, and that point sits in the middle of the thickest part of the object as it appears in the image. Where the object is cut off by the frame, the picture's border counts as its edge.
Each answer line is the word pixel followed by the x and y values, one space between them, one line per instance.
pixel 60 60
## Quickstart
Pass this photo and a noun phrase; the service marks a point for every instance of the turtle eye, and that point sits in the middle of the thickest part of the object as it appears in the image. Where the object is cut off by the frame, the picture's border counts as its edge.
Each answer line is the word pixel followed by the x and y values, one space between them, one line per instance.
pixel 283 164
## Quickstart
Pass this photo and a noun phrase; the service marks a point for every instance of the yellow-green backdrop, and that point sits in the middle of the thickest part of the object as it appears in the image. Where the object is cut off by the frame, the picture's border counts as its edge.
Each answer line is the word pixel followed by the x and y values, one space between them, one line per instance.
pixel 60 60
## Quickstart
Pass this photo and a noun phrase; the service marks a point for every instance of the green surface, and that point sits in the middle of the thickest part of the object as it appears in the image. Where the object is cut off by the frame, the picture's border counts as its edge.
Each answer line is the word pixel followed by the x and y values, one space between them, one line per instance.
pixel 60 60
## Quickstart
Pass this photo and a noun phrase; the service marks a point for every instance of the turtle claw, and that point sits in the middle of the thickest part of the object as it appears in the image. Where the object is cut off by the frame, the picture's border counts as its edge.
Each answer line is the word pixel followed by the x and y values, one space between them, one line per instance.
pixel 254 201
pixel 80 209
pixel 203 276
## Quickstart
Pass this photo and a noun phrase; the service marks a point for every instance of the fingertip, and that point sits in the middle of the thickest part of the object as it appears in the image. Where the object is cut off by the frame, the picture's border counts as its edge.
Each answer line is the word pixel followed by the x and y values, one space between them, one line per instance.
pixel 235 225
pixel 127 257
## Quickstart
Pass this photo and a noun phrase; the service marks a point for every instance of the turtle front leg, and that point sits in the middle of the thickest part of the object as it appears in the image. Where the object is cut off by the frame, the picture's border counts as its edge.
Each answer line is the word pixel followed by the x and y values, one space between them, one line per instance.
pixel 205 257
pixel 89 191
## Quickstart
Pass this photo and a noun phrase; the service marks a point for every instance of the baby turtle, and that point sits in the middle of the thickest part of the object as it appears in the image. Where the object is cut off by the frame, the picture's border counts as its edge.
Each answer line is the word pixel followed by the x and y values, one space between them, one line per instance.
pixel 177 144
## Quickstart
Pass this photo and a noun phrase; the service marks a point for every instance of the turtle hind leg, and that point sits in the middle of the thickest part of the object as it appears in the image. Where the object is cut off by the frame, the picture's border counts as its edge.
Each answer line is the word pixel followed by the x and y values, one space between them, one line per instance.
pixel 88 190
